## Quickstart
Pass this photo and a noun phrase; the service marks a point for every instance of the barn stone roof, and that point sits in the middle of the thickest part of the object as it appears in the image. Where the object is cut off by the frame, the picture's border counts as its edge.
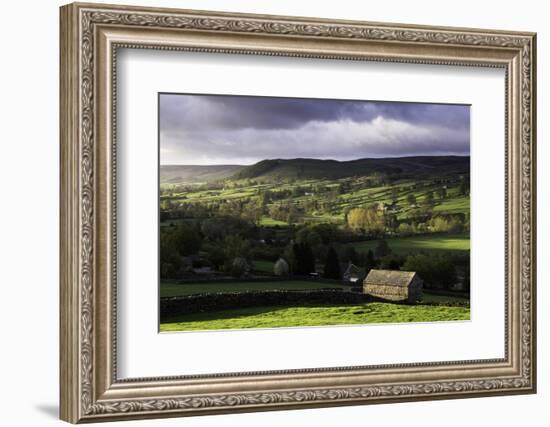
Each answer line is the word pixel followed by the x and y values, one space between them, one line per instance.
pixel 390 277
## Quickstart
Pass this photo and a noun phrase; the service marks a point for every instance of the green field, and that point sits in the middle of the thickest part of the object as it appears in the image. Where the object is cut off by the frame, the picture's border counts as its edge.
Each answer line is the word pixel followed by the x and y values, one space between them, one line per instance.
pixel 444 299
pixel 172 289
pixel 264 266
pixel 270 222
pixel 422 243
pixel 271 317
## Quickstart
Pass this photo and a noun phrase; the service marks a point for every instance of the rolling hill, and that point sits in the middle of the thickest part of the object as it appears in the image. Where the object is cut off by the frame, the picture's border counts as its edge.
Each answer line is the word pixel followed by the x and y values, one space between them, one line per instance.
pixel 175 174
pixel 405 167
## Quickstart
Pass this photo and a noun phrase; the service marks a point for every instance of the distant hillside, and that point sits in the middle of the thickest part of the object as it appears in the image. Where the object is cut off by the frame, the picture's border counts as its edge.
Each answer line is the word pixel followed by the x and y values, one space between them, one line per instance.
pixel 405 167
pixel 175 174
pixel 333 169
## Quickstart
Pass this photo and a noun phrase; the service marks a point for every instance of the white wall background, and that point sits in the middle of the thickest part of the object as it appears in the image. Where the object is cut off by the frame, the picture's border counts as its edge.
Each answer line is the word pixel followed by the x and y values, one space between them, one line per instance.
pixel 29 170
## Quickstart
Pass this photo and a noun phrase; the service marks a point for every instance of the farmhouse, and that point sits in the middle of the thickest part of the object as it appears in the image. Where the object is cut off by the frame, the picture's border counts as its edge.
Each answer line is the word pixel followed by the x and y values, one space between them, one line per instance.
pixel 354 274
pixel 405 286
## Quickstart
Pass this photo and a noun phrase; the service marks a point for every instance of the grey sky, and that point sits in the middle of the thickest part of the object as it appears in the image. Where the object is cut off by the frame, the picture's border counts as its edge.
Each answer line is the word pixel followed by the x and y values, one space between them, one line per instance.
pixel 210 129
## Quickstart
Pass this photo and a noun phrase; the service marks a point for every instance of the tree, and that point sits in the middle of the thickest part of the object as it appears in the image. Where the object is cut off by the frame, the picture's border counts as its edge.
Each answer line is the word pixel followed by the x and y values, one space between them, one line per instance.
pixel 391 262
pixel 186 239
pixel 391 221
pixel 235 247
pixel 466 279
pixel 293 215
pixel 218 228
pixel 446 224
pixel 351 255
pixel 167 271
pixel 309 235
pixel 332 265
pixel 265 198
pixel 411 199
pixel 281 268
pixel 370 262
pixel 370 220
pixel 394 195
pixel 304 260
pixel 429 199
pixel 182 240
pixel 382 248
pixel 239 267
pixel 406 229
pixel 330 233
pixel 463 188
pixel 438 272
pixel 215 254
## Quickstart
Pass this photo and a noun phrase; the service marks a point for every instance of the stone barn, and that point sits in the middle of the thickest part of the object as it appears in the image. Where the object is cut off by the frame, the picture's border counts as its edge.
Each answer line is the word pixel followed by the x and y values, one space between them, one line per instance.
pixel 402 286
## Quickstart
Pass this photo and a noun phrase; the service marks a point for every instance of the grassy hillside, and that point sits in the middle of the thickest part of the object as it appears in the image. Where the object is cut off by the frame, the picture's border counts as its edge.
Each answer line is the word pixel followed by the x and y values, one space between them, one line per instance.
pixel 269 317
pixel 405 167
pixel 176 174
pixel 332 169
pixel 320 200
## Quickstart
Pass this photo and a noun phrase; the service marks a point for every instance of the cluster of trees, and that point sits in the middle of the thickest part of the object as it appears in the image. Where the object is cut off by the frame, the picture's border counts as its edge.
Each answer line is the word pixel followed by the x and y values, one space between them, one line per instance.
pixel 368 220
pixel 287 212
pixel 312 245
pixel 436 271
pixel 372 221
pixel 301 261
pixel 226 242
pixel 227 245
pixel 180 241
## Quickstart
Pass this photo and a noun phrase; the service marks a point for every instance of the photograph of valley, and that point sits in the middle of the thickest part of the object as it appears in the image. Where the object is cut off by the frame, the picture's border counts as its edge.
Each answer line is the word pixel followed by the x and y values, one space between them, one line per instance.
pixel 297 212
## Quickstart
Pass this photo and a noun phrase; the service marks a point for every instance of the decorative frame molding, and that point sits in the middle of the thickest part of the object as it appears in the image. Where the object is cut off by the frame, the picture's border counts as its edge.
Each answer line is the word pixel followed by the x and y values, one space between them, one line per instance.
pixel 90 36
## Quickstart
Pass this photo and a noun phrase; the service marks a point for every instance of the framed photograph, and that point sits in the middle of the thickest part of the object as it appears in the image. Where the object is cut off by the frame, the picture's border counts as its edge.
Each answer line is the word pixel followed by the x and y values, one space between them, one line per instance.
pixel 266 212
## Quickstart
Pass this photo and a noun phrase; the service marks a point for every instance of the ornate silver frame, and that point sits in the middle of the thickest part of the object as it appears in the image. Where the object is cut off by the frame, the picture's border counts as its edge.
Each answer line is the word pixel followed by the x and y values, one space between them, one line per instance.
pixel 90 36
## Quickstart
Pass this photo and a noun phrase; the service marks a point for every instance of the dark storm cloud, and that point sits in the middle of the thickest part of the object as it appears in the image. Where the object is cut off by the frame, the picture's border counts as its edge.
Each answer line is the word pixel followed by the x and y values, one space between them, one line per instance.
pixel 237 112
pixel 206 129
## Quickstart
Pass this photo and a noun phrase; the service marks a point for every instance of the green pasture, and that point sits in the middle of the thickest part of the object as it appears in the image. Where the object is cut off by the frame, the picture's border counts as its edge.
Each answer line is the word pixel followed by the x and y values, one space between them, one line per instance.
pixel 444 299
pixel 422 243
pixel 264 266
pixel 318 315
pixel 459 204
pixel 270 222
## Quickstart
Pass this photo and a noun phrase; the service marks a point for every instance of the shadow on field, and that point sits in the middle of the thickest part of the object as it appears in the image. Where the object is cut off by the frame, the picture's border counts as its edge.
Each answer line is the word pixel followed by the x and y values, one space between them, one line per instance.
pixel 236 313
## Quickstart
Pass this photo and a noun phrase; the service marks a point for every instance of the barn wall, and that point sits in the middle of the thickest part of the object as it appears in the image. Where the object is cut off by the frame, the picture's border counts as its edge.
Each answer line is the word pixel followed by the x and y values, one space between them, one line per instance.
pixel 388 292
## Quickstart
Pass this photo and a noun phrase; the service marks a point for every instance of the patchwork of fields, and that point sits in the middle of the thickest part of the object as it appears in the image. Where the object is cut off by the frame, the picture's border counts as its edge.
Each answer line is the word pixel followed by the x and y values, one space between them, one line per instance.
pixel 326 204
pixel 271 225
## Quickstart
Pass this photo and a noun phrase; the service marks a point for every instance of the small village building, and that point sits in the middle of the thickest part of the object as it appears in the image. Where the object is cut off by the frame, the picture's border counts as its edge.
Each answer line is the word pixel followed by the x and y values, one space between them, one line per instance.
pixel 354 274
pixel 398 286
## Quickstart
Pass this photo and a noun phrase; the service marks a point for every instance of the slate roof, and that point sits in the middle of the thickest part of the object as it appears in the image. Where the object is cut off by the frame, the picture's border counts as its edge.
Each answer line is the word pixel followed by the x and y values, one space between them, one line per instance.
pixel 353 269
pixel 389 277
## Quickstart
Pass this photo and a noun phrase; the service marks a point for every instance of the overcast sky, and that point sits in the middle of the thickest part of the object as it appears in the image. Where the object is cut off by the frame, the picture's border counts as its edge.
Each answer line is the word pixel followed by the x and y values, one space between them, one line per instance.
pixel 210 129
